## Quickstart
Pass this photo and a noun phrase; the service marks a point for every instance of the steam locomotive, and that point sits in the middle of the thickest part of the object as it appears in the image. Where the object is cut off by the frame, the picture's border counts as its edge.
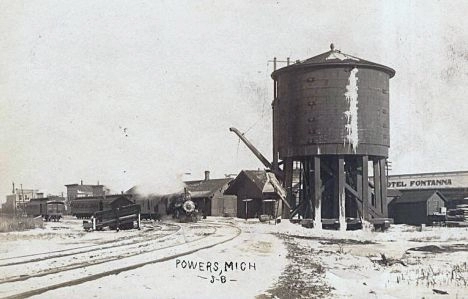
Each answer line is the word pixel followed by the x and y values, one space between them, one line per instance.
pixel 182 207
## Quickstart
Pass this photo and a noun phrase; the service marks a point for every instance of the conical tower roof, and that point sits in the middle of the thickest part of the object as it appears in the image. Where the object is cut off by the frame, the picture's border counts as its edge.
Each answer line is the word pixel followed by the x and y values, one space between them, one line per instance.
pixel 334 58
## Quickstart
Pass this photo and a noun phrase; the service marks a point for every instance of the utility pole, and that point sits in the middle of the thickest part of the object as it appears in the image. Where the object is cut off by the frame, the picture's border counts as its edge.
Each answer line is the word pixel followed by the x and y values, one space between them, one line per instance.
pixel 21 203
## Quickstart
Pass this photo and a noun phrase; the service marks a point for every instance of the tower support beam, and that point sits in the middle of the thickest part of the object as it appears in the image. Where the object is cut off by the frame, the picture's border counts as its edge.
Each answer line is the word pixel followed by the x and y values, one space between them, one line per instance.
pixel 341 194
pixel 365 187
pixel 317 194
pixel 383 188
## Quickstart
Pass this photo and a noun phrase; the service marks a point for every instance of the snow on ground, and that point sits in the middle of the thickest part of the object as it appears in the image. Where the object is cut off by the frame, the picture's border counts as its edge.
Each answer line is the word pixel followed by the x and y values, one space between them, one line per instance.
pixel 257 258
pixel 352 264
pixel 273 261
pixel 65 234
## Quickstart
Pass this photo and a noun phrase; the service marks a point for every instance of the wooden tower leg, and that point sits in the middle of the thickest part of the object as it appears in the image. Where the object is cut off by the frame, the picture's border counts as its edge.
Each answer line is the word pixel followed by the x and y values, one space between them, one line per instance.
pixel 341 194
pixel 317 194
pixel 377 187
pixel 365 187
pixel 288 177
pixel 383 188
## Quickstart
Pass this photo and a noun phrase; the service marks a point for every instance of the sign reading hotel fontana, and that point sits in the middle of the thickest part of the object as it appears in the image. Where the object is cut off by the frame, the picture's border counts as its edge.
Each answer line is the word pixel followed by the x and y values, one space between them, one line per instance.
pixel 429 181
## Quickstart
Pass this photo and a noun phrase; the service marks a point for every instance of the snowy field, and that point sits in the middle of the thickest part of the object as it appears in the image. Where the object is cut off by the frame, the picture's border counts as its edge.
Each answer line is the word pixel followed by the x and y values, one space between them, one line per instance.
pixel 232 258
pixel 417 264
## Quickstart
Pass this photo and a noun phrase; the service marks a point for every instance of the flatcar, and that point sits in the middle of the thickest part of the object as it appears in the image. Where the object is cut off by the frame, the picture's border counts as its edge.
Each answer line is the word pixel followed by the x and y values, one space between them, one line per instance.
pixel 50 210
pixel 117 218
pixel 85 207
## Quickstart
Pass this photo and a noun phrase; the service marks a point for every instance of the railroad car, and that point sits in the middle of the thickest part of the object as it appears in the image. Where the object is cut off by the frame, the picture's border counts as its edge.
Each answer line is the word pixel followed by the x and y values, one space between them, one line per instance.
pixel 153 206
pixel 85 207
pixel 116 218
pixel 50 210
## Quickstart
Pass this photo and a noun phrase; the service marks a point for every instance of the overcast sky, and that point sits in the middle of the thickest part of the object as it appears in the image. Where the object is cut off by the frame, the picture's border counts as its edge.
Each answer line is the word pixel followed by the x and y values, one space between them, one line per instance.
pixel 141 92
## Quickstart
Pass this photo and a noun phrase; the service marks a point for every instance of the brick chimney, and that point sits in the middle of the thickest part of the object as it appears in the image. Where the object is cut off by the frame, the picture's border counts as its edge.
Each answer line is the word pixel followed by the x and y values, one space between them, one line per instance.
pixel 207 175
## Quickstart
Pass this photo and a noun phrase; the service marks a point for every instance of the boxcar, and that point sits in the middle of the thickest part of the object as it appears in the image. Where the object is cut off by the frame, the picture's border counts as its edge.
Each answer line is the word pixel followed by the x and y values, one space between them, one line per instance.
pixel 55 210
pixel 152 207
pixel 48 209
pixel 36 207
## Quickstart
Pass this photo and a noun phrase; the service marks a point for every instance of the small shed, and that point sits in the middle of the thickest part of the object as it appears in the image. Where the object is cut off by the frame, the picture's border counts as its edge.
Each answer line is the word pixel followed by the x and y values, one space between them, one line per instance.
pixel 414 207
pixel 255 194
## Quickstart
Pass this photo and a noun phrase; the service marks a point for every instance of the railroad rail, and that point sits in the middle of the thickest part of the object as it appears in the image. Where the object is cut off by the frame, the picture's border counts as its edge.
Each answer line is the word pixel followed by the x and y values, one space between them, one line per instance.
pixel 17 260
pixel 203 237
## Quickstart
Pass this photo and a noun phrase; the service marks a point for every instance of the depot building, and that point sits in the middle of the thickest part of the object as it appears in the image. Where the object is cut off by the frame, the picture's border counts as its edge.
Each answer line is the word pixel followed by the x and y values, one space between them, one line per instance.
pixel 453 186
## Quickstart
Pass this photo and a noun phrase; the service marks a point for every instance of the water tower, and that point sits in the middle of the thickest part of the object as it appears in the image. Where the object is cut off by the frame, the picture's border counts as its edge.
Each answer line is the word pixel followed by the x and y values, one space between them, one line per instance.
pixel 330 128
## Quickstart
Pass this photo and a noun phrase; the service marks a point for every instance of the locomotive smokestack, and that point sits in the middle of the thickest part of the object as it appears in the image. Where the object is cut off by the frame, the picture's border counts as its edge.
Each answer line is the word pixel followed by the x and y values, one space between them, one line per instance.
pixel 207 175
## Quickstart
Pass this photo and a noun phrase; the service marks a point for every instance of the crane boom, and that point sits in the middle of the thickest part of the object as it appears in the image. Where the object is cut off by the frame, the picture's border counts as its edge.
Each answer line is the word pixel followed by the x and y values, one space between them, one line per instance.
pixel 254 150
pixel 272 178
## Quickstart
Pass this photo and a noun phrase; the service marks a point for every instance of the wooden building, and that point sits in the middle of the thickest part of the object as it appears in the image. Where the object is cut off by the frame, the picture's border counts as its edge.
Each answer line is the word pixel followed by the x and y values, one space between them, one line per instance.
pixel 255 195
pixel 17 201
pixel 80 190
pixel 414 207
pixel 208 195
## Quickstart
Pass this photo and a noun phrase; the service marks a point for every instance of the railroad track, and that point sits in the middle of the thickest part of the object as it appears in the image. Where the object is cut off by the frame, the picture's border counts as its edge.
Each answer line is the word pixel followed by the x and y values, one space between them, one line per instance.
pixel 130 248
pixel 192 238
pixel 37 257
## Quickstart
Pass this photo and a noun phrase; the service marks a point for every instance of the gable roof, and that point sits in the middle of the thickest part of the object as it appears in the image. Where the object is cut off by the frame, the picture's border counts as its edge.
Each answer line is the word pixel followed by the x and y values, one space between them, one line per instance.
pixel 132 190
pixel 417 196
pixel 206 188
pixel 257 178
